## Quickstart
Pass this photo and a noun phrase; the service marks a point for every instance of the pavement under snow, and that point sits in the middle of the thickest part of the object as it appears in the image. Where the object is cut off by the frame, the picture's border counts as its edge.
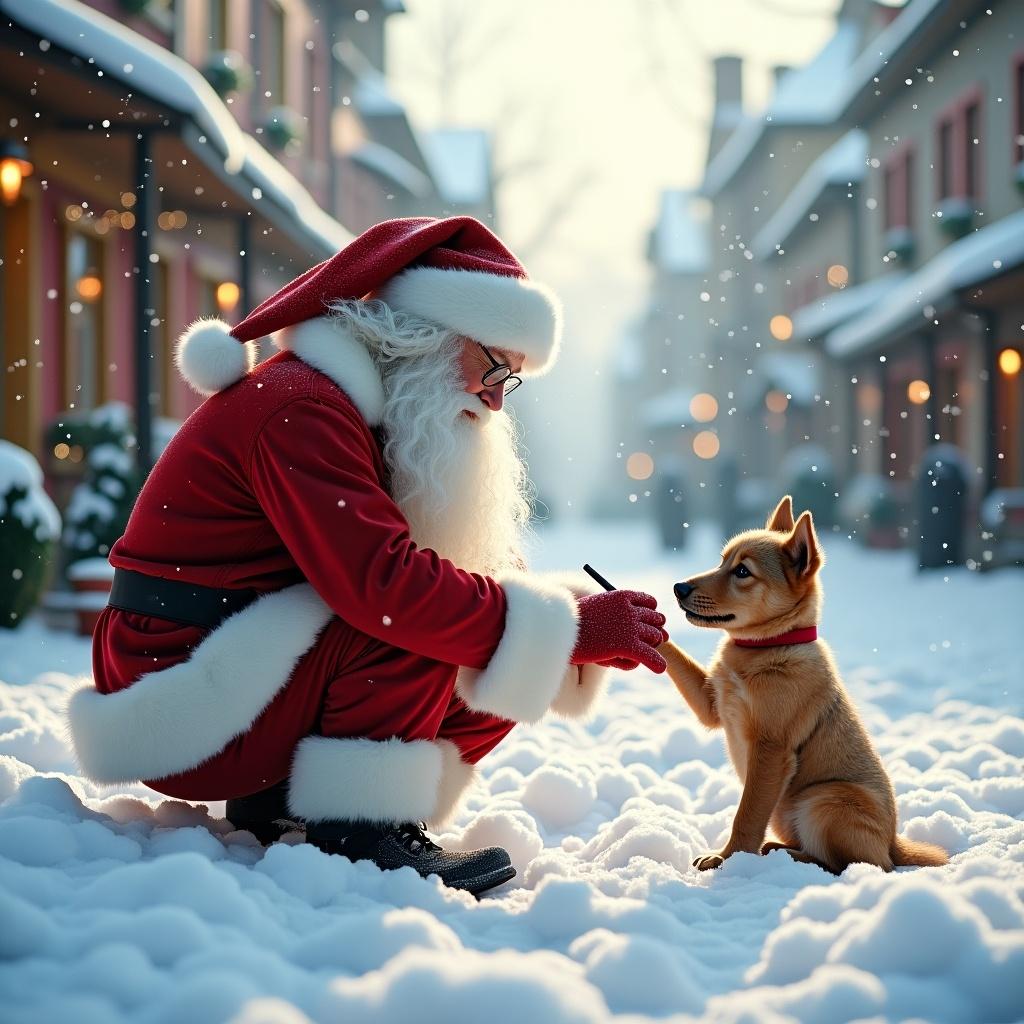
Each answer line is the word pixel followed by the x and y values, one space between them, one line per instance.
pixel 117 905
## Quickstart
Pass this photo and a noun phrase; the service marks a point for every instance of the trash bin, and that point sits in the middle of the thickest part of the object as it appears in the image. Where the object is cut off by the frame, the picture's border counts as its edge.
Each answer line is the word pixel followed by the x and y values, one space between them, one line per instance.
pixel 940 506
pixel 670 505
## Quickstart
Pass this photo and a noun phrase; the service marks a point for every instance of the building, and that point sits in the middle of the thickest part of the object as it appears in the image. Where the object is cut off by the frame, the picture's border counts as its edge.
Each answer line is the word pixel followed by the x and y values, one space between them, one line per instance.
pixel 866 269
pixel 163 161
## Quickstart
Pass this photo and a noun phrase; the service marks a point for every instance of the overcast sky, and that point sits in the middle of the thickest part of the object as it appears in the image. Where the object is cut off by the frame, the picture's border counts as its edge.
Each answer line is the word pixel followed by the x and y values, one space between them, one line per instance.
pixel 607 99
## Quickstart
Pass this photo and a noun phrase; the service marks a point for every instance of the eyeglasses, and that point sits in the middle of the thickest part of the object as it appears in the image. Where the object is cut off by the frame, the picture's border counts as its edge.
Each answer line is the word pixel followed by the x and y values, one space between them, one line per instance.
pixel 499 373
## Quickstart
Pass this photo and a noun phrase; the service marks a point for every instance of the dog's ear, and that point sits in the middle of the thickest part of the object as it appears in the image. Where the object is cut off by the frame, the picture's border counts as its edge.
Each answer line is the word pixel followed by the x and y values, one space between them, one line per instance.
pixel 803 548
pixel 781 520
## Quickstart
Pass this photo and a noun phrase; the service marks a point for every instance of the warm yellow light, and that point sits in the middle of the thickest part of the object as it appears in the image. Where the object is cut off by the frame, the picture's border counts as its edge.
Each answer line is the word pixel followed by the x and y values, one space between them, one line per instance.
pixel 179 218
pixel 918 392
pixel 164 222
pixel 776 401
pixel 127 200
pixel 89 287
pixel 101 227
pixel 62 450
pixel 705 445
pixel 11 175
pixel 127 220
pixel 781 327
pixel 639 466
pixel 838 276
pixel 77 453
pixel 1009 362
pixel 228 294
pixel 73 212
pixel 703 407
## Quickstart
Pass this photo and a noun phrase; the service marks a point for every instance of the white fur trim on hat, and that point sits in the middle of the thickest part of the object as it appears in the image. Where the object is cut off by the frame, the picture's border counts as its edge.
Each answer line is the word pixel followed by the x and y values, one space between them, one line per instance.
pixel 527 671
pixel 176 718
pixel 210 358
pixel 511 313
pixel 328 345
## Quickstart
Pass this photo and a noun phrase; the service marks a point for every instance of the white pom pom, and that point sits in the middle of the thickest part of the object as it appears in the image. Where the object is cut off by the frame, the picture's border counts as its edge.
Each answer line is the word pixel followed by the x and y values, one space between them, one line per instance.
pixel 210 359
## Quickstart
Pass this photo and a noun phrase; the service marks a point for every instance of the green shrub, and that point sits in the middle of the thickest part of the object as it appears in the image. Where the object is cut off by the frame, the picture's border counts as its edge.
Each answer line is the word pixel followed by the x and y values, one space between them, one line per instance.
pixel 29 530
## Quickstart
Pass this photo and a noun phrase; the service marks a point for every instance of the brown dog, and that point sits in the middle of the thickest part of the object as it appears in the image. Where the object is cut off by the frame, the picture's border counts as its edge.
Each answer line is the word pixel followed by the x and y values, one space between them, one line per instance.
pixel 795 739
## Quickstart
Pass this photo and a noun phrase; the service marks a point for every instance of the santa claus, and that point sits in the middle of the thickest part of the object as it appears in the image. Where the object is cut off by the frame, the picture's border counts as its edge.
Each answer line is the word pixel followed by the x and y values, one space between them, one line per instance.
pixel 321 612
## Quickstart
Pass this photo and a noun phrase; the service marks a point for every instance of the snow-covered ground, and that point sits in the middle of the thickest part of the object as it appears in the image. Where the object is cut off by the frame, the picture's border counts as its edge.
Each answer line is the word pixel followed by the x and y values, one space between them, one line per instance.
pixel 116 905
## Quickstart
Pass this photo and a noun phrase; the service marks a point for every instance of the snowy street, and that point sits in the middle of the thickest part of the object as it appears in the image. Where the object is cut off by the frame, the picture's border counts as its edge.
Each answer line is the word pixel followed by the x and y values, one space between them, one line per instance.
pixel 117 905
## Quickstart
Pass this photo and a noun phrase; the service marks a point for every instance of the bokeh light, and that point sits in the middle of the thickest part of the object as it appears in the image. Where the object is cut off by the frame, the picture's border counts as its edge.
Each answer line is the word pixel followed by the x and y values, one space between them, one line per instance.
pixel 639 466
pixel 705 444
pixel 918 392
pixel 838 276
pixel 781 327
pixel 703 407
pixel 1009 362
pixel 776 401
pixel 89 286
pixel 227 296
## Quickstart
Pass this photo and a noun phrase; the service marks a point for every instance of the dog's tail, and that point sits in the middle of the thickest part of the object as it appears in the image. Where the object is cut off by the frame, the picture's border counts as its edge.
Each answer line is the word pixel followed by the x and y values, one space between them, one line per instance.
pixel 909 853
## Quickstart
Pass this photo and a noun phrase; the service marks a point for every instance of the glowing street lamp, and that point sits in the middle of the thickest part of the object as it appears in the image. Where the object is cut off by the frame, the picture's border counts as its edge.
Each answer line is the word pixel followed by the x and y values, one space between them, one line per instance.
pixel 89 286
pixel 14 167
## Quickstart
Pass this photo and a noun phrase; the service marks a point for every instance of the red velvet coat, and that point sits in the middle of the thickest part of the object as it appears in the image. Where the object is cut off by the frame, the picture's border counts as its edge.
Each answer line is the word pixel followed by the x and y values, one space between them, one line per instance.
pixel 276 480
pixel 278 483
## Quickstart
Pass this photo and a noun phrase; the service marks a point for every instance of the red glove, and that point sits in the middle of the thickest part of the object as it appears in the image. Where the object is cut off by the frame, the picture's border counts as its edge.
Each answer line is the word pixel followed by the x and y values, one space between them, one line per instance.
pixel 620 627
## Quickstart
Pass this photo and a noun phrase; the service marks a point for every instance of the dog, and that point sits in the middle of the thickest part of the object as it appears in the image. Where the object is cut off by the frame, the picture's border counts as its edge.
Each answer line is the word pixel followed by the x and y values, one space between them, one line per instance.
pixel 807 766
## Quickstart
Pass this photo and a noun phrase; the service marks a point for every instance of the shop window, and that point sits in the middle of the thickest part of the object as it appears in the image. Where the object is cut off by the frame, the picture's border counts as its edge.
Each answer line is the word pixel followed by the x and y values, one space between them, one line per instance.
pixel 899 182
pixel 82 355
pixel 958 149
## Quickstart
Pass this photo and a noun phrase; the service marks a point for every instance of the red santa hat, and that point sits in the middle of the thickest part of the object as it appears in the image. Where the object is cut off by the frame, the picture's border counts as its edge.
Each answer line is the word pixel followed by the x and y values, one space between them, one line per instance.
pixel 454 272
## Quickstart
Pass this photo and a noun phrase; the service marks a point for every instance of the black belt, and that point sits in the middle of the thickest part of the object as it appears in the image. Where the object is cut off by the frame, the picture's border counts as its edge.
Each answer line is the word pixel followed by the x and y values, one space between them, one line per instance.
pixel 176 600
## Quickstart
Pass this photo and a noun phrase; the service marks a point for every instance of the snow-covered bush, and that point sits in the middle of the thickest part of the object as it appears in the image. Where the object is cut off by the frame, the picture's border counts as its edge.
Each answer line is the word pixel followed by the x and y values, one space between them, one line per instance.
pixel 29 529
pixel 99 506
pixel 808 475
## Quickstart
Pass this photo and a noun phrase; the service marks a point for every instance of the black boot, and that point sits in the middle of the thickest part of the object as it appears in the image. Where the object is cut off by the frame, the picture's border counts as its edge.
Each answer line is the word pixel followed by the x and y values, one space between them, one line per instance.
pixel 265 814
pixel 407 845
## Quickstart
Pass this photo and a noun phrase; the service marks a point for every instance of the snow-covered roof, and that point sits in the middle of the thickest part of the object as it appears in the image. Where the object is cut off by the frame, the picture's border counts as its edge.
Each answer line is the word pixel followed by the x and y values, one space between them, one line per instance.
pixel 460 159
pixel 680 234
pixel 985 253
pixel 140 64
pixel 841 164
pixel 819 317
pixel 810 95
pixel 884 47
pixel 388 164
pixel 152 71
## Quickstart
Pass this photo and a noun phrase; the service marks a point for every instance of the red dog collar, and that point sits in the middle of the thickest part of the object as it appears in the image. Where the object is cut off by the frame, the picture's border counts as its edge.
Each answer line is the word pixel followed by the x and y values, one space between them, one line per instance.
pixel 794 636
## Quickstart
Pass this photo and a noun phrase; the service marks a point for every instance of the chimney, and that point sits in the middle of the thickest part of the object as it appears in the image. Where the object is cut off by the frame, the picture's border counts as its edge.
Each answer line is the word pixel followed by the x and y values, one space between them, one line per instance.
pixel 728 82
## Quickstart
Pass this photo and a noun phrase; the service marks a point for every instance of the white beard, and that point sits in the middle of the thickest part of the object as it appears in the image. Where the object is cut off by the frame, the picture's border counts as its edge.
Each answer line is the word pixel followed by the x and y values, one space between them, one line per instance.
pixel 459 481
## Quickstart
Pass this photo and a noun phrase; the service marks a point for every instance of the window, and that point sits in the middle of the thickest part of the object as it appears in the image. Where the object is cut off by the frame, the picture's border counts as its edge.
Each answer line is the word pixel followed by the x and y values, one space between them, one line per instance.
pixel 217 17
pixel 899 178
pixel 958 148
pixel 1017 149
pixel 271 70
pixel 946 159
pixel 83 320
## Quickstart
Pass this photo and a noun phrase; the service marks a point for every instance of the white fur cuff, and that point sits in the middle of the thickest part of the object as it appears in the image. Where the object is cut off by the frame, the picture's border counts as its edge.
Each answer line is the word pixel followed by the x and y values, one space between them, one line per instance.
pixel 526 672
pixel 382 781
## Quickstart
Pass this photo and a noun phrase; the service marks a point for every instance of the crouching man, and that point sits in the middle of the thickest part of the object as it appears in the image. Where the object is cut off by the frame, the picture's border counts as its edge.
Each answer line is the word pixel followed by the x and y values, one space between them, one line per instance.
pixel 320 612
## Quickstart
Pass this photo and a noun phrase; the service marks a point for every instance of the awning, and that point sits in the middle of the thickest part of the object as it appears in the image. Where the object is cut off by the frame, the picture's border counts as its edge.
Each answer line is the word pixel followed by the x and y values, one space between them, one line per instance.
pixel 822 315
pixel 795 374
pixel 137 83
pixel 978 257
